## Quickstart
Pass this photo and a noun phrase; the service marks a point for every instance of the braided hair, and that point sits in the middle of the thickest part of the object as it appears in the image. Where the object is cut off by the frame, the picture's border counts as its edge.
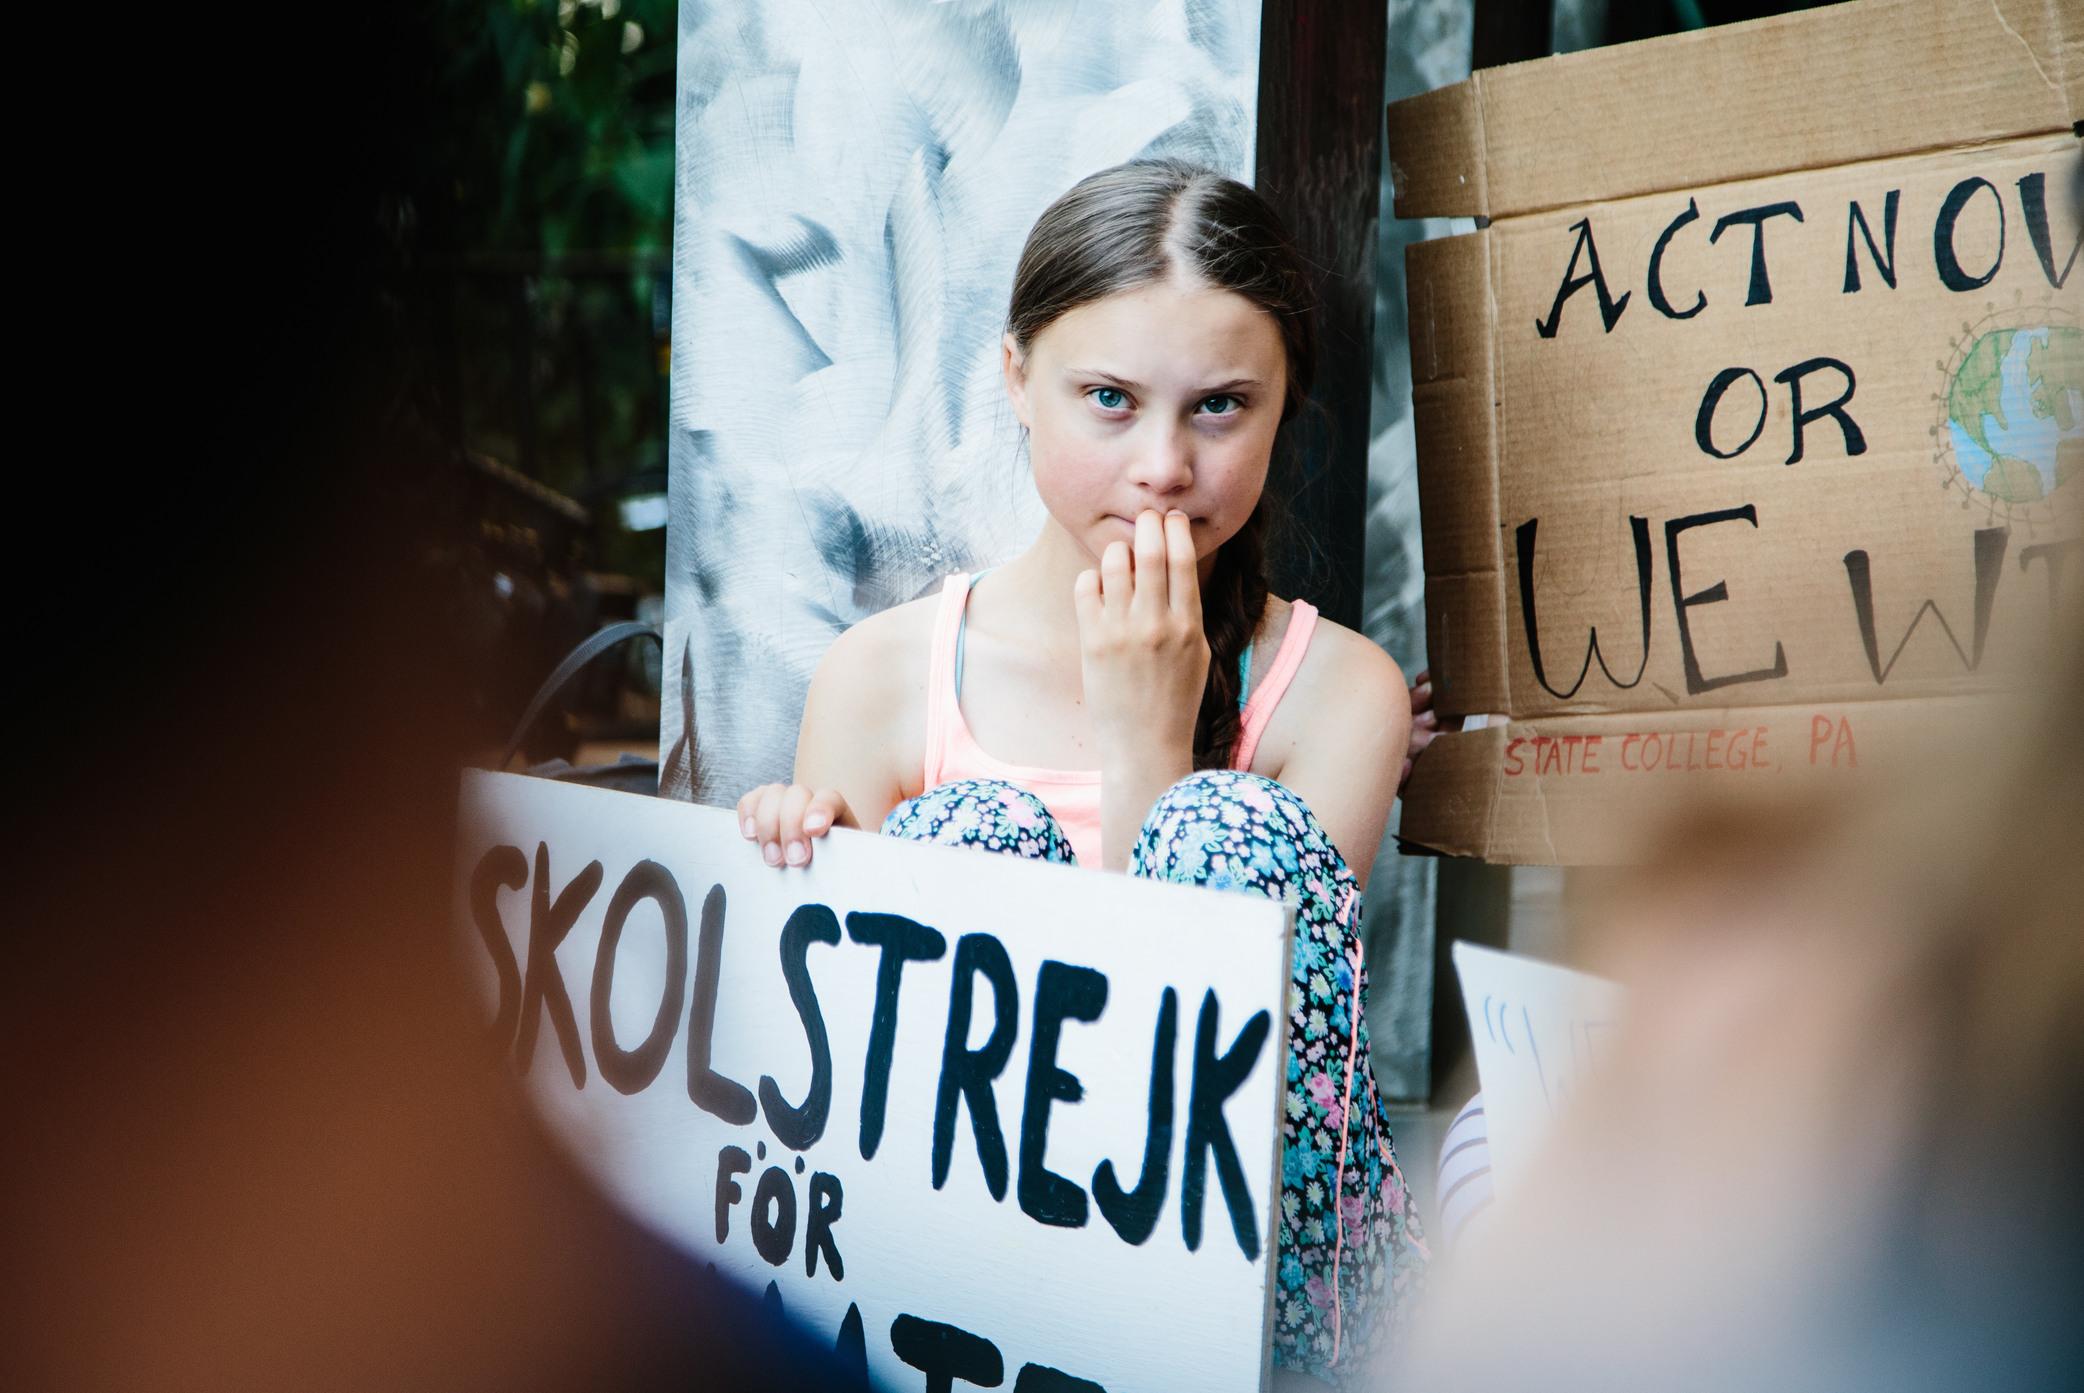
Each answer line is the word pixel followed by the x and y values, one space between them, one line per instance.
pixel 1139 223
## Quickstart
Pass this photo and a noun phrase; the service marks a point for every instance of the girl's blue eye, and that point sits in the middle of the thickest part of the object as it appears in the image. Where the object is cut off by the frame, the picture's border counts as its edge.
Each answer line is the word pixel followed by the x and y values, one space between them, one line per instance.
pixel 1222 405
pixel 1109 398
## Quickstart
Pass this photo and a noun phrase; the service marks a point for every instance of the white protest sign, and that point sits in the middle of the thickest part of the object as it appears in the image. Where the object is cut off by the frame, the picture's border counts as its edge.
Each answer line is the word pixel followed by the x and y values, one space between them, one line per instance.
pixel 973 1117
pixel 1538 1029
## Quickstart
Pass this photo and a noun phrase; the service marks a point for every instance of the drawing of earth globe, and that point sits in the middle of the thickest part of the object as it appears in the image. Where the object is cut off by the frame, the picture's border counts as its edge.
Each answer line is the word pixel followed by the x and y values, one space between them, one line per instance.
pixel 2015 411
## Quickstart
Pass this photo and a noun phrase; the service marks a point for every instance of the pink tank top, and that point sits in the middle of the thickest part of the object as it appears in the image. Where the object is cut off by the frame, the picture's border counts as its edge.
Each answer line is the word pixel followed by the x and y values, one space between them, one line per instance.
pixel 1071 795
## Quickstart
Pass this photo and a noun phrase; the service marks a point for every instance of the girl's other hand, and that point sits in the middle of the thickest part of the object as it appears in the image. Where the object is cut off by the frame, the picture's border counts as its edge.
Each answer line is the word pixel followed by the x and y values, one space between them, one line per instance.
pixel 1144 655
pixel 1426 723
pixel 783 818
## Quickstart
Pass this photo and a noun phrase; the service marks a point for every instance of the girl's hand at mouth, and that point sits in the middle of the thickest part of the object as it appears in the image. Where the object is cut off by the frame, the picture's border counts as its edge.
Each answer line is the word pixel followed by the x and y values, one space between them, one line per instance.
pixel 1143 653
pixel 1144 661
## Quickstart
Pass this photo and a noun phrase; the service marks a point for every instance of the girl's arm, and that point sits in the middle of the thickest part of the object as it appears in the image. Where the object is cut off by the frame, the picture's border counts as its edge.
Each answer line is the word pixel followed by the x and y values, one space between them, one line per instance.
pixel 1350 717
pixel 866 696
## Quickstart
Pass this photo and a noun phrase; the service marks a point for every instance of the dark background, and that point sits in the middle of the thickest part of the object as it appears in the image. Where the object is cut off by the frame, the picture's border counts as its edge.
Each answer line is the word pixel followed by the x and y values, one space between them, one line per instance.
pixel 431 249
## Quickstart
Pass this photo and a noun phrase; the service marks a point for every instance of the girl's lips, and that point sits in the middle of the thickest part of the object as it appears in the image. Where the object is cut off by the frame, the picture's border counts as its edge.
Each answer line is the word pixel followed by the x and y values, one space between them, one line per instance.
pixel 1117 517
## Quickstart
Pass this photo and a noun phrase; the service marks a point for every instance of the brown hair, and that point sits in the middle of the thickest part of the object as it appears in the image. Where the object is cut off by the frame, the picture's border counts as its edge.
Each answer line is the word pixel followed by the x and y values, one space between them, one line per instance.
pixel 1141 222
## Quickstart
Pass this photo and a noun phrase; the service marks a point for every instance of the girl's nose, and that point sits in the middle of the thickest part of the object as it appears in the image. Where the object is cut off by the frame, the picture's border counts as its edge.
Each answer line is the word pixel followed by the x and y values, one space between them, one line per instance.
pixel 1166 465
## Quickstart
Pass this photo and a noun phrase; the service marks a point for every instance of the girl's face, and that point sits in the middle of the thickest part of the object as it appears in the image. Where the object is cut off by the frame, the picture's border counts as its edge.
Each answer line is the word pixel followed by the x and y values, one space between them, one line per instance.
pixel 1165 396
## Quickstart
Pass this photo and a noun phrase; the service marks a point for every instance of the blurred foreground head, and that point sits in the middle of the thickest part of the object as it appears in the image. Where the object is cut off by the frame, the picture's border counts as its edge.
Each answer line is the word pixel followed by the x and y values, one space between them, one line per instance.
pixel 254 1140
pixel 1837 1145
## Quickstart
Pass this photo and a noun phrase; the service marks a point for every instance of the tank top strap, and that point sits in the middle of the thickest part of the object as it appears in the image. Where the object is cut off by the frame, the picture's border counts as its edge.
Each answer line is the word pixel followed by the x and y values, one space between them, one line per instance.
pixel 962 625
pixel 1302 622
pixel 940 673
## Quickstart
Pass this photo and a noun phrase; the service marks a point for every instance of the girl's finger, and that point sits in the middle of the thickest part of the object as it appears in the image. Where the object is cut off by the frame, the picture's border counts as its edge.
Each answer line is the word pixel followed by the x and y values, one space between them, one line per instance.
pixel 1149 599
pixel 825 811
pixel 1421 695
pixel 1085 598
pixel 1114 579
pixel 789 826
pixel 746 806
pixel 765 817
pixel 1183 579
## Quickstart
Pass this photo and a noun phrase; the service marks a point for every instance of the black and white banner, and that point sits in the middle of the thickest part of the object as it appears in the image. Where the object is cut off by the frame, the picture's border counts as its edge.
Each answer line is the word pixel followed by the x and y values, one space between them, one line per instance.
pixel 980 1119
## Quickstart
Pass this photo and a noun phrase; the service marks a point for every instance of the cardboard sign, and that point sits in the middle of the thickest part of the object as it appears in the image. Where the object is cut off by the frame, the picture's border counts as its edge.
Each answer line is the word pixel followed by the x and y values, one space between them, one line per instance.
pixel 1749 428
pixel 1538 1029
pixel 977 1118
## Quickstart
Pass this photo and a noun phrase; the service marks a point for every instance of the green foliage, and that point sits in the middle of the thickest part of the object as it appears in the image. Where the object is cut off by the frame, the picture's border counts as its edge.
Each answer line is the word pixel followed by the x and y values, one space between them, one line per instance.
pixel 543 196
pixel 562 137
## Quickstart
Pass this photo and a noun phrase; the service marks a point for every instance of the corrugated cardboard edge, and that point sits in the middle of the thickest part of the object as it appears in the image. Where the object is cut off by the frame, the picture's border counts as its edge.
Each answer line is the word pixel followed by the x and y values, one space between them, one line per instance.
pixel 1436 152
pixel 1806 90
pixel 1450 802
pixel 1454 415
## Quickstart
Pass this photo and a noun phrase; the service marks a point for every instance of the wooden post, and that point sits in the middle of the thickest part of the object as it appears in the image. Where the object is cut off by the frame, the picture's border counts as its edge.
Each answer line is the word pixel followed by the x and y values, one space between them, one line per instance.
pixel 1319 160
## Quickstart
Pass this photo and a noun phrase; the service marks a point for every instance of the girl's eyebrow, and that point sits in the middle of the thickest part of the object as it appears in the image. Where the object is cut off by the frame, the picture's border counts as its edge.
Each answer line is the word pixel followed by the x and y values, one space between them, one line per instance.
pixel 1234 384
pixel 1121 382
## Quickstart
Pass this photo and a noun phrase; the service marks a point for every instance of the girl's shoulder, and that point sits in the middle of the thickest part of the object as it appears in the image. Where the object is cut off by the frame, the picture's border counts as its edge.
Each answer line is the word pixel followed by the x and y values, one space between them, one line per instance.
pixel 885 655
pixel 1336 656
pixel 1347 665
pixel 1347 693
pixel 869 694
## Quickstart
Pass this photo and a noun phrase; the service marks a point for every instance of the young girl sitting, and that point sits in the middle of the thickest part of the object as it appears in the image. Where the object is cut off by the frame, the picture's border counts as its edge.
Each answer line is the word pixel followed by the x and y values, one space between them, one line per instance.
pixel 1126 694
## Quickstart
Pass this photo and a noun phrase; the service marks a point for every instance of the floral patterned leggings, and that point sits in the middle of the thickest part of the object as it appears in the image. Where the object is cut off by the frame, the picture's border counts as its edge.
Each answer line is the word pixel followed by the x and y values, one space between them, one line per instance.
pixel 1351 1253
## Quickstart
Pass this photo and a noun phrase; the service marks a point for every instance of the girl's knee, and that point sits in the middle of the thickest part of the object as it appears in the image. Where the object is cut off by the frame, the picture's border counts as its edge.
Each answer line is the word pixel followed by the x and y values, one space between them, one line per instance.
pixel 1211 828
pixel 1216 799
pixel 989 814
pixel 1229 828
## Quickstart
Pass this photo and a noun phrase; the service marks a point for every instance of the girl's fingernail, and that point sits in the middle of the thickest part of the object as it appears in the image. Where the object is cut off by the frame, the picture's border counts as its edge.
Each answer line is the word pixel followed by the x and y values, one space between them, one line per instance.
pixel 798 853
pixel 814 822
pixel 748 828
pixel 771 853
